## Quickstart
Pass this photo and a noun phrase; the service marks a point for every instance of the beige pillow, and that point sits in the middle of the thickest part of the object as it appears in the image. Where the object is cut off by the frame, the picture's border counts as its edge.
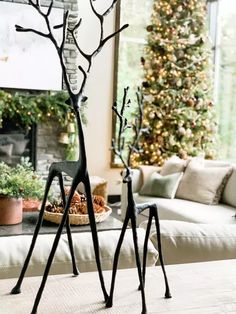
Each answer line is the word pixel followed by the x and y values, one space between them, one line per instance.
pixel 203 185
pixel 173 165
pixel 229 193
pixel 147 171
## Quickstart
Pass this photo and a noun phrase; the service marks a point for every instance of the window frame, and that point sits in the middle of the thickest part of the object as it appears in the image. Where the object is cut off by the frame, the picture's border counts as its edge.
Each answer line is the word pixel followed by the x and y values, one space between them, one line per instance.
pixel 212 9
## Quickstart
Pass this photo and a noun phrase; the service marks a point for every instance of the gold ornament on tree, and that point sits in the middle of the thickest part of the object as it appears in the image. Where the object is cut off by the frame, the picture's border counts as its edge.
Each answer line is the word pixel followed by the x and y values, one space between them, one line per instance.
pixel 177 76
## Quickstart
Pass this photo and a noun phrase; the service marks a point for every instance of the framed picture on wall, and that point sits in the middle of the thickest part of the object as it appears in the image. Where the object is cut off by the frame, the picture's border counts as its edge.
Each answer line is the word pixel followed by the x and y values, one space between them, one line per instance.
pixel 28 61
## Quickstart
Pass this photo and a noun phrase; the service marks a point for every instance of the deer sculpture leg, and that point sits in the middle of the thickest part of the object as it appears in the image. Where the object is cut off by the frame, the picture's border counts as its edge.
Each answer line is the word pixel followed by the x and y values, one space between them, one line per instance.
pixel 93 227
pixel 157 223
pixel 138 264
pixel 116 259
pixel 54 247
pixel 17 288
pixel 145 247
pixel 153 213
pixel 130 215
pixel 70 241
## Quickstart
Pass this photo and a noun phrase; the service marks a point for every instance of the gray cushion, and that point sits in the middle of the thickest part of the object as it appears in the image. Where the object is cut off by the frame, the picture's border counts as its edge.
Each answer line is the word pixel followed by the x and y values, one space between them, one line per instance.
pixel 162 186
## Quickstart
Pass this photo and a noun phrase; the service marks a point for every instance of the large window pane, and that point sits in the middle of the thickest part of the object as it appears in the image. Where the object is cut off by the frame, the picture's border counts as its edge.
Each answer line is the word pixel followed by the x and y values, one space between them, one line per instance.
pixel 130 49
pixel 131 43
pixel 223 34
pixel 225 84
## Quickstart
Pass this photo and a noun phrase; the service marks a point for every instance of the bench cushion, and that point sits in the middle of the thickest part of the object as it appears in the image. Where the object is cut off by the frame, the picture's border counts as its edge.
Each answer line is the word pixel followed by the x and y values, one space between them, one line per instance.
pixel 184 210
pixel 13 250
pixel 184 242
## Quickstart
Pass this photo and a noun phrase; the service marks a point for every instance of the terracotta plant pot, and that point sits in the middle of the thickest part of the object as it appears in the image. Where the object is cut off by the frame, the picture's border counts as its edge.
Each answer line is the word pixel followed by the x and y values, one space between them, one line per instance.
pixel 30 205
pixel 10 210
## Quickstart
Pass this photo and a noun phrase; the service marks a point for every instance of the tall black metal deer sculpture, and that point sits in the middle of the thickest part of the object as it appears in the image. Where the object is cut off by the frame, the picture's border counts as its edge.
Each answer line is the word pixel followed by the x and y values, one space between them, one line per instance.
pixel 134 209
pixel 77 170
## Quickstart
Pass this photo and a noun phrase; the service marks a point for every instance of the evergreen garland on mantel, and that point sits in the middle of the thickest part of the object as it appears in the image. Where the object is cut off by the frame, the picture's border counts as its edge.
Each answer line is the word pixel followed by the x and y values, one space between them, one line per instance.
pixel 26 109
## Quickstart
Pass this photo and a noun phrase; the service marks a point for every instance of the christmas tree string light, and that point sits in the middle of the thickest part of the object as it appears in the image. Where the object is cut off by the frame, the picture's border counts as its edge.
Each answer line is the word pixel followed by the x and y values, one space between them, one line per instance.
pixel 26 109
pixel 177 87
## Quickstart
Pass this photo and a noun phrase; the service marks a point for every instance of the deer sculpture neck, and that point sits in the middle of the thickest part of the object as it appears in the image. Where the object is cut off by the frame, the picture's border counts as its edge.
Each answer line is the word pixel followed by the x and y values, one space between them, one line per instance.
pixel 82 151
pixel 76 100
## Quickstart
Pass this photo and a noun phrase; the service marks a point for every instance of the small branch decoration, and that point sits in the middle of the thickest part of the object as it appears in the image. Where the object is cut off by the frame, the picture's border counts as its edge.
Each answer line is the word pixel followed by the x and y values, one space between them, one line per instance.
pixel 77 170
pixel 60 46
pixel 119 145
pixel 134 209
pixel 103 40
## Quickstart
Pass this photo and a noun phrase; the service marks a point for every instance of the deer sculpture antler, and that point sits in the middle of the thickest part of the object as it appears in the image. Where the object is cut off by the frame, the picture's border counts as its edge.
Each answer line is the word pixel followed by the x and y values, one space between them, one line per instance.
pixel 102 40
pixel 60 46
pixel 133 209
pixel 119 145
pixel 77 170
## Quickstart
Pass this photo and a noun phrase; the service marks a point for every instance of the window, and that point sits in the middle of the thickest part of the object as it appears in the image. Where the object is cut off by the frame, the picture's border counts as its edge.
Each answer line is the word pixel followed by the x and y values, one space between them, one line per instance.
pixel 225 76
pixel 131 43
pixel 130 46
pixel 222 25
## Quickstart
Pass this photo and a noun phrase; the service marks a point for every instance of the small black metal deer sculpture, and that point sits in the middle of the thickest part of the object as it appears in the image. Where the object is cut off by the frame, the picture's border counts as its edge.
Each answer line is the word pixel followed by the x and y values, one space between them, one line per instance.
pixel 134 209
pixel 77 170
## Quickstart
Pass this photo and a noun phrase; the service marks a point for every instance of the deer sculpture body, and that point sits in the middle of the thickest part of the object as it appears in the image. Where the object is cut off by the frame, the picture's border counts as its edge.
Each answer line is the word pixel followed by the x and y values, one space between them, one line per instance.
pixel 77 170
pixel 134 209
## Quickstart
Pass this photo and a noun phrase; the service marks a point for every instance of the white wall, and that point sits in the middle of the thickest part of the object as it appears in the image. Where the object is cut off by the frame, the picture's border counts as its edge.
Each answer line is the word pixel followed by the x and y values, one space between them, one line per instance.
pixel 100 98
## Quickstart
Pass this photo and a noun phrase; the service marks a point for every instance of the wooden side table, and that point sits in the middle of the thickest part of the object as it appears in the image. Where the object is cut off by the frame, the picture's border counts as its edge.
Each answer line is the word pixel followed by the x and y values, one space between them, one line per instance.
pixel 197 288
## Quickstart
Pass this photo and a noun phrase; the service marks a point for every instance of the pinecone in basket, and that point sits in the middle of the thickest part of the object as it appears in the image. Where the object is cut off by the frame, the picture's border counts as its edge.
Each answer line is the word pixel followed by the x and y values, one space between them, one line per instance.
pixel 77 198
pixel 54 208
pixel 99 200
pixel 79 204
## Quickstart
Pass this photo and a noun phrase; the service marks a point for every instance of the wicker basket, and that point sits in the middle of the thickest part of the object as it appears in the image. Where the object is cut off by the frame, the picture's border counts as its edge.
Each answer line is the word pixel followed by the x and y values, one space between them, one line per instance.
pixel 77 219
pixel 98 186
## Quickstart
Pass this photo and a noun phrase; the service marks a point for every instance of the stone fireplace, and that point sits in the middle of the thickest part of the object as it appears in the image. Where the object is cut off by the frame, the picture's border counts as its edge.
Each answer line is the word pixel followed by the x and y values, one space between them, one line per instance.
pixel 48 148
pixel 40 144
pixel 16 143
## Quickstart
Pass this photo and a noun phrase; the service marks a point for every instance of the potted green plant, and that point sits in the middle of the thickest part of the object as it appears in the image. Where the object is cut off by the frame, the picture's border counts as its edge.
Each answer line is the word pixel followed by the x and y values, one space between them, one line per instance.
pixel 33 187
pixel 17 183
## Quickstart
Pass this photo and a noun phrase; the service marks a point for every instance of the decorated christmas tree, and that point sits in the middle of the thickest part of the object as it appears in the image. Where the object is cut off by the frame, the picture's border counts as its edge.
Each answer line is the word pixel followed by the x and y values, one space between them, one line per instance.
pixel 178 108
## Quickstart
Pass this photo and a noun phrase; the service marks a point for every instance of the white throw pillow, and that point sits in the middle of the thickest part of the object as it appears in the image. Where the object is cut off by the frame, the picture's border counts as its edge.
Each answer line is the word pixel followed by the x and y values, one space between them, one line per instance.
pixel 203 184
pixel 173 165
pixel 229 193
